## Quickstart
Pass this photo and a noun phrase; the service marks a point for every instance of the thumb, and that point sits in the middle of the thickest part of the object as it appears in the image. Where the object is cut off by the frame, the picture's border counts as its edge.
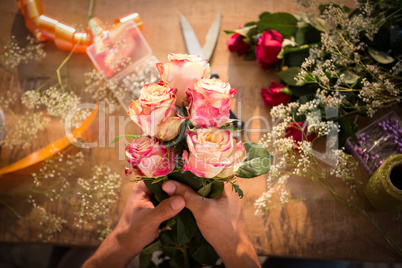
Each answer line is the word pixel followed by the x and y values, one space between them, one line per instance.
pixel 167 209
pixel 193 200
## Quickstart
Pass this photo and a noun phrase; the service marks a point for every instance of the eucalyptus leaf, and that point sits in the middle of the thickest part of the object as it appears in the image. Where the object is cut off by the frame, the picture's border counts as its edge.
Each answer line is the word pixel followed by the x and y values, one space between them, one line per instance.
pixel 258 161
pixel 284 23
pixel 288 76
pixel 380 56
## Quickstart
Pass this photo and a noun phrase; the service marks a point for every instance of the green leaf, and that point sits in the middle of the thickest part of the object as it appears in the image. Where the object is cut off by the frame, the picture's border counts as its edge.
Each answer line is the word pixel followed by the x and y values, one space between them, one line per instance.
pixel 250 23
pixel 380 56
pixel 307 89
pixel 146 255
pixel 229 32
pixel 187 178
pixel 186 227
pixel 258 161
pixel 156 188
pixel 156 180
pixel 211 189
pixel 202 251
pixel 288 76
pixel 125 136
pixel 237 189
pixel 284 23
pixel 350 77
pixel 346 132
pixel 263 15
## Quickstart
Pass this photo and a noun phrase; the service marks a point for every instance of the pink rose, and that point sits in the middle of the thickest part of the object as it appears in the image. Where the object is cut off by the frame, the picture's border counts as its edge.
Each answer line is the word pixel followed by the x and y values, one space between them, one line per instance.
pixel 210 102
pixel 154 112
pixel 181 72
pixel 213 153
pixel 149 158
pixel 298 131
pixel 268 47
pixel 276 94
pixel 236 44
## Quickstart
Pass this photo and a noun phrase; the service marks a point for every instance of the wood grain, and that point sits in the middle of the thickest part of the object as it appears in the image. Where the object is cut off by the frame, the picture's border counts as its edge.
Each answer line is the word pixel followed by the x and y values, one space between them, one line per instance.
pixel 309 229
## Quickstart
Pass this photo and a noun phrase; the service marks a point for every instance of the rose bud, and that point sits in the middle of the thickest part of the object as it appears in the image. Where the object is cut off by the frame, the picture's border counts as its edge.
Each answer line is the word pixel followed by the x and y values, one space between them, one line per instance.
pixel 276 94
pixel 213 153
pixel 236 44
pixel 149 158
pixel 268 47
pixel 210 102
pixel 181 72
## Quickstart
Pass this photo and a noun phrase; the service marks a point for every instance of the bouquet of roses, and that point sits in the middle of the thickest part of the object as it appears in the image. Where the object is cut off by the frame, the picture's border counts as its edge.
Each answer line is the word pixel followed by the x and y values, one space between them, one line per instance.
pixel 187 136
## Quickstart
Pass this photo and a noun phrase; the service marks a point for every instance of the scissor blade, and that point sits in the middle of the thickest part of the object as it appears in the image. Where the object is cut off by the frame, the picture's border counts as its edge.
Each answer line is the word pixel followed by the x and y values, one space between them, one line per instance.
pixel 212 37
pixel 192 44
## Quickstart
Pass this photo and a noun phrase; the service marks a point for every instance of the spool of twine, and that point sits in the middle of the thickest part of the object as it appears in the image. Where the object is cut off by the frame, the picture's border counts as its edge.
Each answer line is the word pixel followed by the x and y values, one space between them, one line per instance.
pixel 384 189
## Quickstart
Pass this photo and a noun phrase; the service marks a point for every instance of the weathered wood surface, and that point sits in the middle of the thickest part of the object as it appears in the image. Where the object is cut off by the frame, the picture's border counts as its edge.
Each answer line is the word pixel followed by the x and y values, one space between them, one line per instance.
pixel 310 229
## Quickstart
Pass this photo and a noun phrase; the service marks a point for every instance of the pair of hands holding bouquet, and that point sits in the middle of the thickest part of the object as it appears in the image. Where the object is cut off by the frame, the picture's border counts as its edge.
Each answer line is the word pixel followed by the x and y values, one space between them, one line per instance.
pixel 187 150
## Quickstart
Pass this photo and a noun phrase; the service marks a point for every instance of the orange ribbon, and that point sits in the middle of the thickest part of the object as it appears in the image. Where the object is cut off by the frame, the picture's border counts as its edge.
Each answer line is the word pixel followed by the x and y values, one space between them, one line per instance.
pixel 45 27
pixel 50 149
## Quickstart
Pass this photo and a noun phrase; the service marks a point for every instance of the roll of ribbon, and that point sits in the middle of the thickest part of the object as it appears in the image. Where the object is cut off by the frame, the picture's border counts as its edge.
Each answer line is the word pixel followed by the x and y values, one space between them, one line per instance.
pixel 384 189
pixel 65 36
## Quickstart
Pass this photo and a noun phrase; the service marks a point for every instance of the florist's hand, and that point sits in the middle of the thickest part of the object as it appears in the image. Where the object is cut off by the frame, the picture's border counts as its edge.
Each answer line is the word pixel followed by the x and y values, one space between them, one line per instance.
pixel 220 220
pixel 138 226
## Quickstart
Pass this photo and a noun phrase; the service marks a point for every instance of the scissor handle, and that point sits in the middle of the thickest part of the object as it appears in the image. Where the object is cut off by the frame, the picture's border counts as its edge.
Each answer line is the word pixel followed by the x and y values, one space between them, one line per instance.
pixel 214 75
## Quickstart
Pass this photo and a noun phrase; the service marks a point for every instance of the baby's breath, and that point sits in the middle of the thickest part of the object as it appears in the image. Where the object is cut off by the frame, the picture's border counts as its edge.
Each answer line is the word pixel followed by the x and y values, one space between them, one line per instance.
pixel 97 195
pixel 15 52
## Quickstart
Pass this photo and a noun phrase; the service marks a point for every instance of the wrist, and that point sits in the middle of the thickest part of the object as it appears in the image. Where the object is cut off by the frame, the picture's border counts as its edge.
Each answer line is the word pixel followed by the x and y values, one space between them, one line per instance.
pixel 238 253
pixel 111 253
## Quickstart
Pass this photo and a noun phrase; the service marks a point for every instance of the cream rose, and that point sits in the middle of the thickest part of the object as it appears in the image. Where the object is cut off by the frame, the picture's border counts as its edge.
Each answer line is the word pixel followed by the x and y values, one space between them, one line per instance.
pixel 154 112
pixel 213 153
pixel 149 158
pixel 181 72
pixel 210 102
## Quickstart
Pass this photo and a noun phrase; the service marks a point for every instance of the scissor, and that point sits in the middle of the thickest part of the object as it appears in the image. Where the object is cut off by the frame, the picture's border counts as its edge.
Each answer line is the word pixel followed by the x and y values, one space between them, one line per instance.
pixel 194 48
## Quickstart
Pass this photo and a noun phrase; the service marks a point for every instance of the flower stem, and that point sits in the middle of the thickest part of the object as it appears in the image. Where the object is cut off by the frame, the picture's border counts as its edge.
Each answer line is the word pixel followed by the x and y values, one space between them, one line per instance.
pixel 186 259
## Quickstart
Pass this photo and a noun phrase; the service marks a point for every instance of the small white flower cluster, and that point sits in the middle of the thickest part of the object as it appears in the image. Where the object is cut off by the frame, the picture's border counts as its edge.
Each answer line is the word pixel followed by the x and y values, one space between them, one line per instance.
pixel 101 88
pixel 301 162
pixel 97 195
pixel 49 223
pixel 22 132
pixel 14 52
pixel 340 59
pixel 59 167
pixel 57 102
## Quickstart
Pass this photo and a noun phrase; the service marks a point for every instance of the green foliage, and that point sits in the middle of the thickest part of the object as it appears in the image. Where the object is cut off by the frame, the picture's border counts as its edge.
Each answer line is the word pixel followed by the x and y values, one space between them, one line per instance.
pixel 284 23
pixel 125 136
pixel 258 161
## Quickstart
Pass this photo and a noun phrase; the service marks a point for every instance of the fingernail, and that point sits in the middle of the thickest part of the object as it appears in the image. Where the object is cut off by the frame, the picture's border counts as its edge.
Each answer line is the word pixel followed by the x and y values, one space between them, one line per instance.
pixel 177 203
pixel 169 187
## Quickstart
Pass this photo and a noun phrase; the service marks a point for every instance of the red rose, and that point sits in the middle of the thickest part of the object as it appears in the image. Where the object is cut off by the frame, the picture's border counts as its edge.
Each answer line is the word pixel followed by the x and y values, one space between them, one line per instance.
pixel 275 95
pixel 299 132
pixel 236 44
pixel 268 47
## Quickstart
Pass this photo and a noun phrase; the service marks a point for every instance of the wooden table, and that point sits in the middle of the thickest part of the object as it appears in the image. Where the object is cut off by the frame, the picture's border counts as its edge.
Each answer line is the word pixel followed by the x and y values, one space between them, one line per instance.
pixel 309 229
